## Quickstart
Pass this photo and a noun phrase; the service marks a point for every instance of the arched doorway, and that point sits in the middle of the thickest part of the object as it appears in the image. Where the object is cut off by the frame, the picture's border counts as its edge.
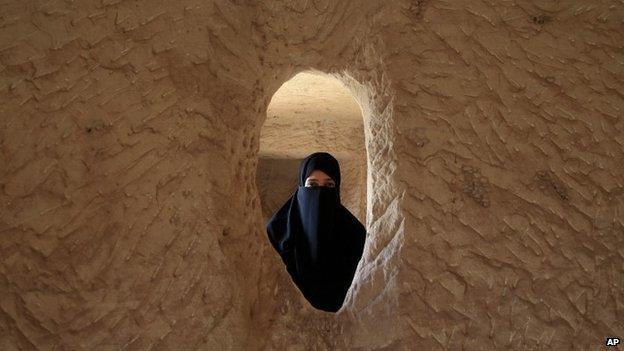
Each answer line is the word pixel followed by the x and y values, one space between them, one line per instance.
pixel 311 112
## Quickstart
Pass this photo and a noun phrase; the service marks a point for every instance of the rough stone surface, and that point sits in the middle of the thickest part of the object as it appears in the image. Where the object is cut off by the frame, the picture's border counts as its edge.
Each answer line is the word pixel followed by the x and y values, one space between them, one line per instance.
pixel 129 136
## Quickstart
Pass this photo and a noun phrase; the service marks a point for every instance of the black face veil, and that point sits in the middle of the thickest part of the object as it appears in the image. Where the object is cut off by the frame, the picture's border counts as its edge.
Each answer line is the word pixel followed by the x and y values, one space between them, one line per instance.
pixel 318 239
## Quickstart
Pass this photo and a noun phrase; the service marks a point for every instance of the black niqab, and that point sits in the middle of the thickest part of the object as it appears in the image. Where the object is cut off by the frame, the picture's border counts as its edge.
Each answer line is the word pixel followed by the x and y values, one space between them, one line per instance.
pixel 318 239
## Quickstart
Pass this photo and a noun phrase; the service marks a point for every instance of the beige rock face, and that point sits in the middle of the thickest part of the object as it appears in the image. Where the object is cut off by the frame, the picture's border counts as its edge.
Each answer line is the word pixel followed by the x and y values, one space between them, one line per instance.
pixel 130 137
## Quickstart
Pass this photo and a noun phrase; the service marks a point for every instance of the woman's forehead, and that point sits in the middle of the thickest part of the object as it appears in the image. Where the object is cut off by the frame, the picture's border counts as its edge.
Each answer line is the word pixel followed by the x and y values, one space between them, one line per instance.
pixel 318 174
pixel 319 162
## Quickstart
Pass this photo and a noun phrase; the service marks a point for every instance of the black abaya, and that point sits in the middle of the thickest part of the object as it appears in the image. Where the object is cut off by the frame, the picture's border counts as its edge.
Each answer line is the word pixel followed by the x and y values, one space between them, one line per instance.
pixel 318 239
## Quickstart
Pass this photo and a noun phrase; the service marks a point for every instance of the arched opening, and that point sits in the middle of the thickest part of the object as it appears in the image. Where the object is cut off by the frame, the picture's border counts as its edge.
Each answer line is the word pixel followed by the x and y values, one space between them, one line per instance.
pixel 312 112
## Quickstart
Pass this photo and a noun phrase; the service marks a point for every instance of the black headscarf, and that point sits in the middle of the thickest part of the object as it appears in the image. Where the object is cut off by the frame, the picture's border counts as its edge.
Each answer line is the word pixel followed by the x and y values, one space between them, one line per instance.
pixel 318 239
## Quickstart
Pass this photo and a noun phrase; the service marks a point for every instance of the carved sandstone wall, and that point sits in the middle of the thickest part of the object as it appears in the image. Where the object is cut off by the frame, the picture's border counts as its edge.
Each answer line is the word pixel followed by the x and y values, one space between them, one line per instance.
pixel 129 136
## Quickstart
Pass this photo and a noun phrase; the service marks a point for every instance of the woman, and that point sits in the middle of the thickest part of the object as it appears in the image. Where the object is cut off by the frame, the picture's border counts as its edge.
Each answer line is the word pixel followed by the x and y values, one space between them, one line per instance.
pixel 318 239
